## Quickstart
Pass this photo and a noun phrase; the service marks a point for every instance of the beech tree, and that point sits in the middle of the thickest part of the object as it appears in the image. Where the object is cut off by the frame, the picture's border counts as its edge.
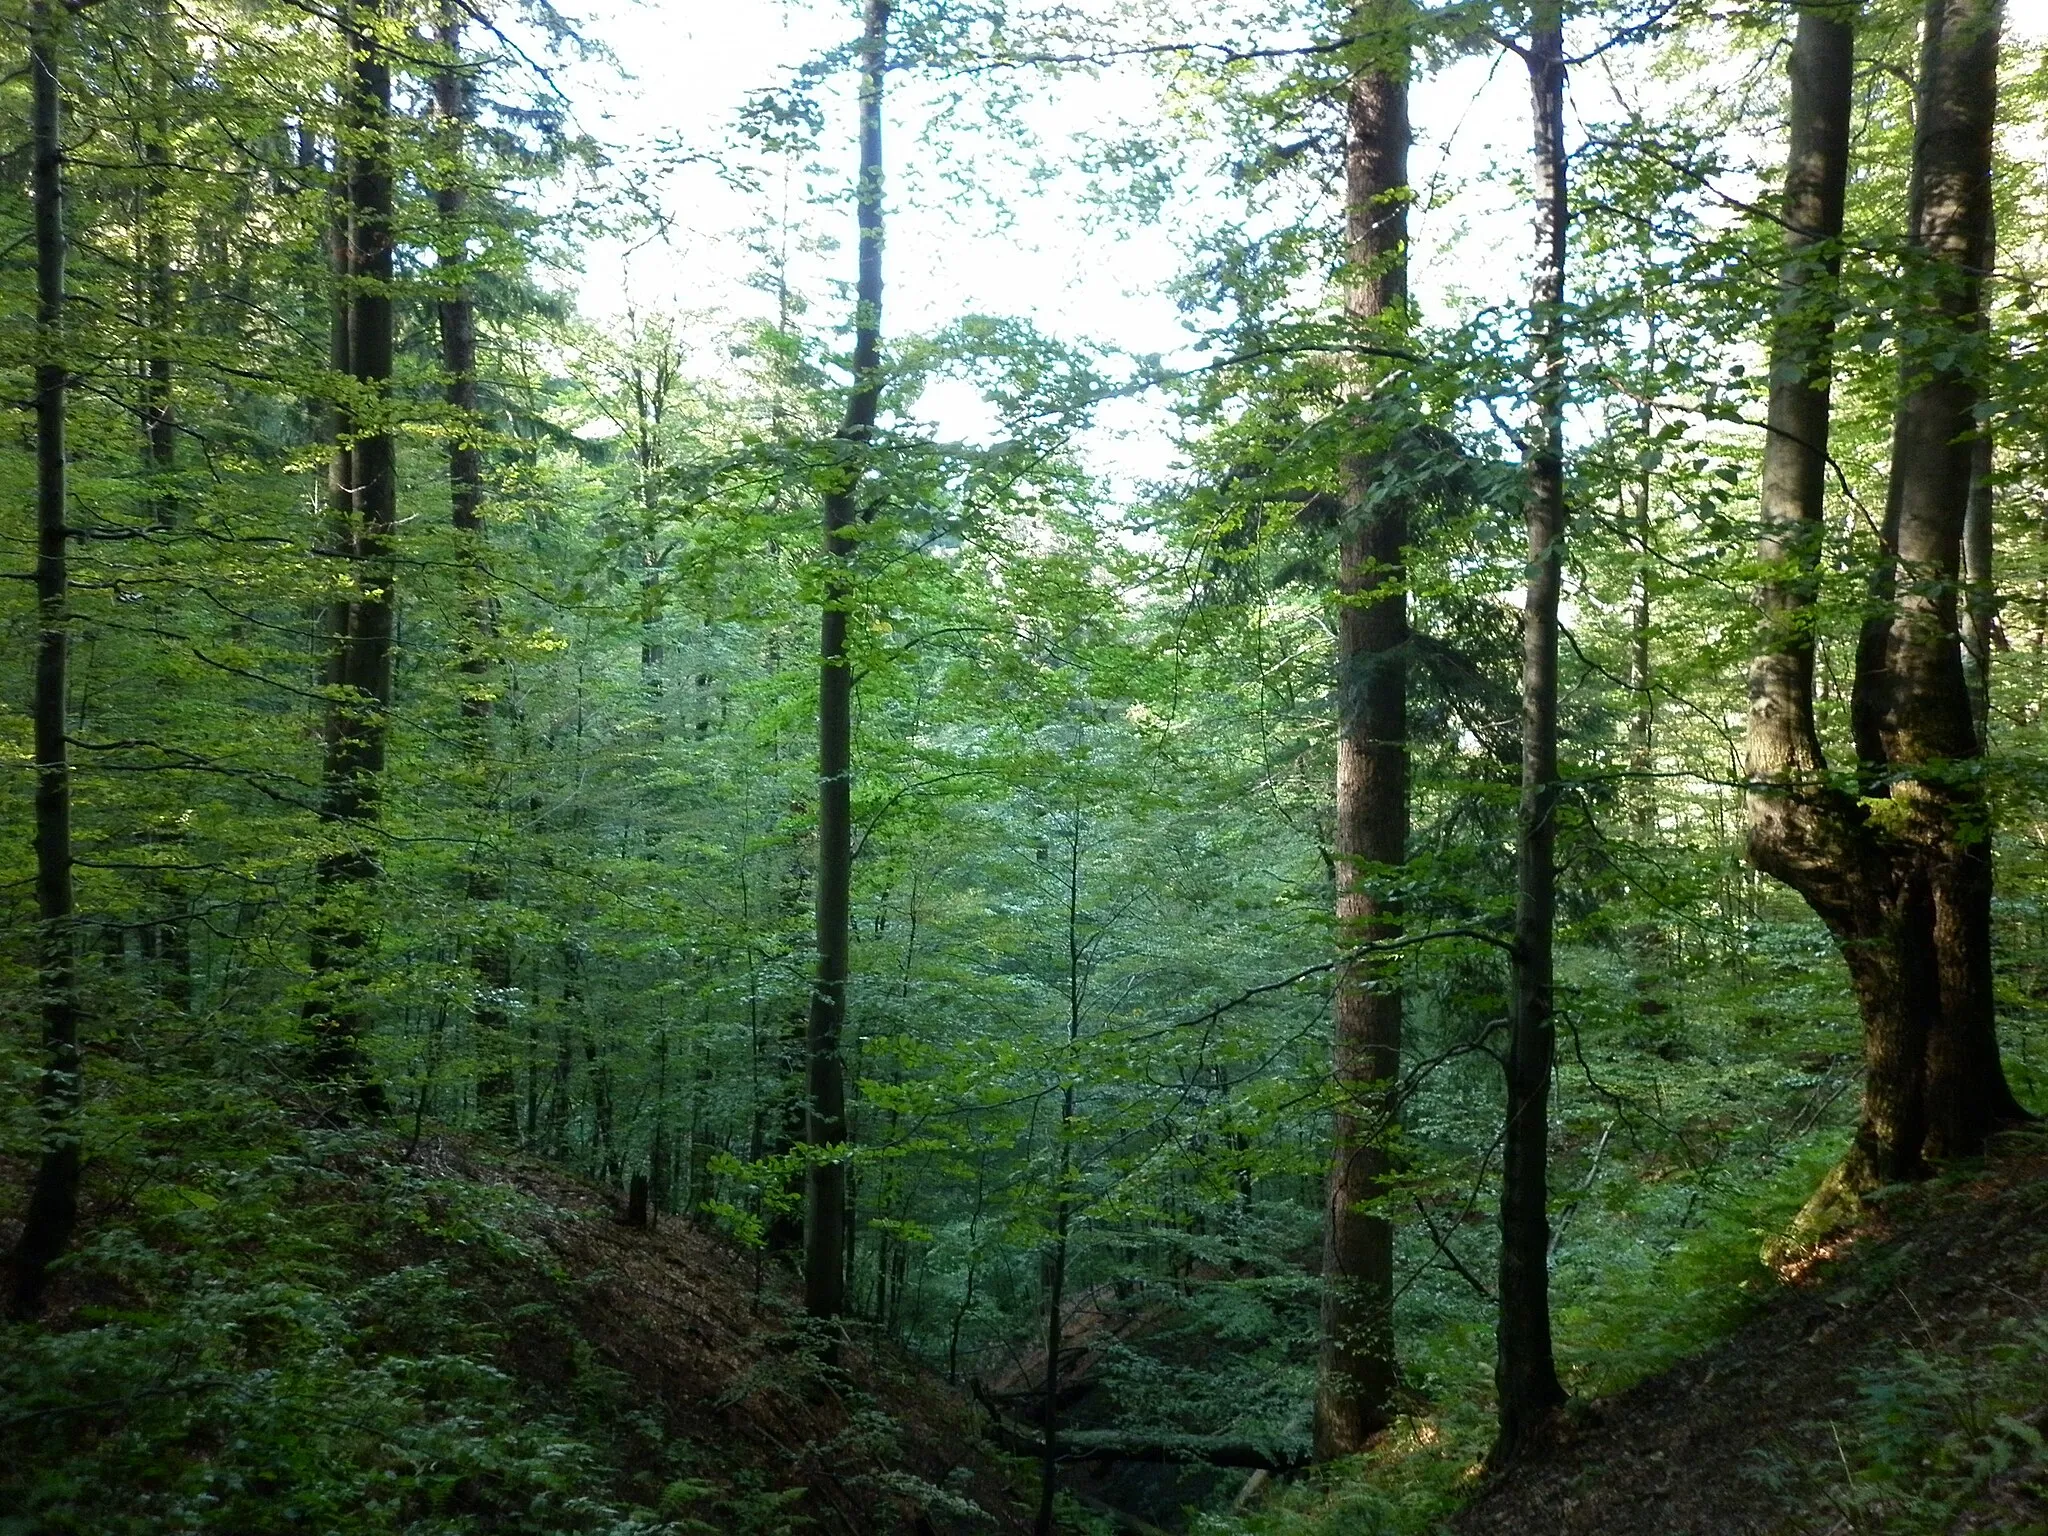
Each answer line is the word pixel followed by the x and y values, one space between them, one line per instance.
pixel 1897 863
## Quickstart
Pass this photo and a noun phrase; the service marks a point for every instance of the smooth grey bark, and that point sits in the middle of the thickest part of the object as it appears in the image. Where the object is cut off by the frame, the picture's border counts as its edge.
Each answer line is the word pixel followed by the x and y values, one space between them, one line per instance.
pixel 825 1227
pixel 1980 589
pixel 1796 818
pixel 53 1195
pixel 1356 1369
pixel 1525 1369
pixel 1908 899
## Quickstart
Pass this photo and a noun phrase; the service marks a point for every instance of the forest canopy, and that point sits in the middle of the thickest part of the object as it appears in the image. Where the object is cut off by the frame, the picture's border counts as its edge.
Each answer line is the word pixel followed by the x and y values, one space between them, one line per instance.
pixel 1279 734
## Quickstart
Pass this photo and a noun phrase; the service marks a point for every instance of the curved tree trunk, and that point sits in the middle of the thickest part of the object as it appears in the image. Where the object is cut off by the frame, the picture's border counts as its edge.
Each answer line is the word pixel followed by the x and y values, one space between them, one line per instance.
pixel 1356 1371
pixel 1906 895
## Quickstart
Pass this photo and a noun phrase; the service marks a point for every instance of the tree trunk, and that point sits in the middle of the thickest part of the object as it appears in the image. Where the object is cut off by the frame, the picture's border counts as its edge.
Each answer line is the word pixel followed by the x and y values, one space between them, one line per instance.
pixel 491 948
pixel 1642 733
pixel 1909 899
pixel 1062 1202
pixel 171 939
pixel 825 1123
pixel 159 415
pixel 53 1198
pixel 1525 1372
pixel 1922 714
pixel 1980 591
pixel 360 667
pixel 1356 1372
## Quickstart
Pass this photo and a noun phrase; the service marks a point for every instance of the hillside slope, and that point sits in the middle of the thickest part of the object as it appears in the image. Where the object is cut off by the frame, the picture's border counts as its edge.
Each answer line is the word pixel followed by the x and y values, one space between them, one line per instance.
pixel 335 1332
pixel 1901 1385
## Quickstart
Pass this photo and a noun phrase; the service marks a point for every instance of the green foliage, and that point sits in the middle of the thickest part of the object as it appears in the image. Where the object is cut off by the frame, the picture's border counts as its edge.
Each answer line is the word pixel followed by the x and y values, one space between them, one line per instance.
pixel 317 1338
pixel 1092 794
pixel 1946 1433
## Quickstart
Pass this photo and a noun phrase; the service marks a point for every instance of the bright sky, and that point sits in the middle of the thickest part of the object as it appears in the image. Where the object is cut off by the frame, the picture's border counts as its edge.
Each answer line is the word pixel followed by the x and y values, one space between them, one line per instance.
pixel 971 230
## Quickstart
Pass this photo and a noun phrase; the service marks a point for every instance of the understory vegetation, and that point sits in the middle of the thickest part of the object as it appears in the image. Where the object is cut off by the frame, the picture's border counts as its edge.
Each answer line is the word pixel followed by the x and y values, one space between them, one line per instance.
pixel 739 914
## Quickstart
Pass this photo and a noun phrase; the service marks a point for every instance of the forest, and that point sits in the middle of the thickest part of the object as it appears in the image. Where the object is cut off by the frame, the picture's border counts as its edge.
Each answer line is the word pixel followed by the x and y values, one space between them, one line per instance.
pixel 1070 766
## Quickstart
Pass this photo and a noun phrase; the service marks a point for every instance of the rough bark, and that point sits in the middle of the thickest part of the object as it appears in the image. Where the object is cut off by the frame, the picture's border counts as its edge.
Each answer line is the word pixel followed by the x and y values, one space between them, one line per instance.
pixel 359 669
pixel 1906 893
pixel 1525 1371
pixel 1356 1372
pixel 53 1196
pixel 825 1075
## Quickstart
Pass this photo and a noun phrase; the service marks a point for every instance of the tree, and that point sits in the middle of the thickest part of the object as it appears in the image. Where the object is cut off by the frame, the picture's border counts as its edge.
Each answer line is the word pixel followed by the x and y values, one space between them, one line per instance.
pixel 491 949
pixel 825 1225
pixel 1356 1372
pixel 359 667
pixel 1525 1370
pixel 1900 872
pixel 53 1197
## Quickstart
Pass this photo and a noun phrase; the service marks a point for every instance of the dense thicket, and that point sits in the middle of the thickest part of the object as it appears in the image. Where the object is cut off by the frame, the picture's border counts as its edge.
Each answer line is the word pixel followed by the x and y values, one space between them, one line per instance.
pixel 1136 953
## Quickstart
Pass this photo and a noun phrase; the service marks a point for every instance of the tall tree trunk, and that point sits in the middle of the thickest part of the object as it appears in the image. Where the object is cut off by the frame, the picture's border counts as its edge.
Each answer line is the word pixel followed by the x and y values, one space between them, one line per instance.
pixel 490 956
pixel 1642 733
pixel 1980 590
pixel 1356 1372
pixel 1923 716
pixel 357 722
pixel 1797 821
pixel 159 415
pixel 1525 1372
pixel 650 408
pixel 53 1198
pixel 1908 901
pixel 169 941
pixel 1062 1199
pixel 825 1123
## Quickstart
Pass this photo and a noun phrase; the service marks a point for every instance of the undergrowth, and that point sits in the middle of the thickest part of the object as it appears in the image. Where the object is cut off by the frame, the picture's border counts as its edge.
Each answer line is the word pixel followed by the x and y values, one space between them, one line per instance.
pixel 1938 1434
pixel 1655 1305
pixel 315 1338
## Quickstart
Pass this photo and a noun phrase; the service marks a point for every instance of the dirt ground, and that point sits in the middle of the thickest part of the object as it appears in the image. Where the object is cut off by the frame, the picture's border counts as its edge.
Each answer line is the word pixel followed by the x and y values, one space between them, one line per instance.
pixel 878 1445
pixel 1744 1439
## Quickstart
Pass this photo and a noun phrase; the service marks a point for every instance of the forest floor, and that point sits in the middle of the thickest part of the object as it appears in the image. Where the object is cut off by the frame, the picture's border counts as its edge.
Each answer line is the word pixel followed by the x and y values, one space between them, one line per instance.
pixel 713 1335
pixel 1899 1383
pixel 357 1335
